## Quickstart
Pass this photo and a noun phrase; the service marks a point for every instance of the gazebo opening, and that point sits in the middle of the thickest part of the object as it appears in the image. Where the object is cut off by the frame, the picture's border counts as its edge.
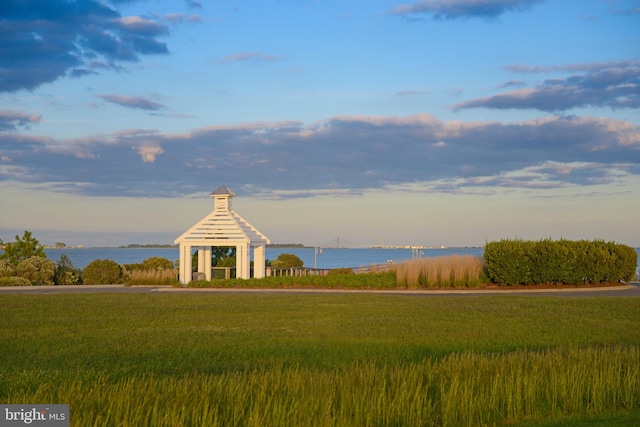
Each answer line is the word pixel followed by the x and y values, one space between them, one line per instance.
pixel 222 227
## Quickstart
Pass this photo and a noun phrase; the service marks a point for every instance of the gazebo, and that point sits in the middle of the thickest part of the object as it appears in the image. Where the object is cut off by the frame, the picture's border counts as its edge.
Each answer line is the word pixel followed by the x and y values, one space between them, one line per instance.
pixel 222 227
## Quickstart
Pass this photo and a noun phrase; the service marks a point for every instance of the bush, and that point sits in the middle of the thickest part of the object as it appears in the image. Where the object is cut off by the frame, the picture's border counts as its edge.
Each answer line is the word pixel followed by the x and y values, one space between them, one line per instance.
pixel 14 281
pixel 511 262
pixel 66 274
pixel 153 263
pixel 38 270
pixel 287 261
pixel 67 278
pixel 7 268
pixel 507 262
pixel 103 272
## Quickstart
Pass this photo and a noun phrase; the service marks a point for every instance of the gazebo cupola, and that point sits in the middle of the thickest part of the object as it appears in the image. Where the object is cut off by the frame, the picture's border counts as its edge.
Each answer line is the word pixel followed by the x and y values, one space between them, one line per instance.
pixel 222 227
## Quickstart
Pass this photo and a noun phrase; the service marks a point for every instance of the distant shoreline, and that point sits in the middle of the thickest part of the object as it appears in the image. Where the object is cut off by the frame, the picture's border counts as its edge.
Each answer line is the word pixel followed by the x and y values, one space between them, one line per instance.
pixel 273 246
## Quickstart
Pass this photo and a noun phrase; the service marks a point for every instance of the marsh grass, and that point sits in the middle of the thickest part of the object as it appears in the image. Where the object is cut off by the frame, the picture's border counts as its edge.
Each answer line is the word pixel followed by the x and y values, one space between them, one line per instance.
pixel 155 277
pixel 457 390
pixel 320 360
pixel 449 271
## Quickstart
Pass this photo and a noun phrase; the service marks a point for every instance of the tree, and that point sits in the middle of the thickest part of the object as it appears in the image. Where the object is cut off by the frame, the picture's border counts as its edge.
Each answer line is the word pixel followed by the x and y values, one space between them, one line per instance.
pixel 287 261
pixel 218 253
pixel 23 248
pixel 229 261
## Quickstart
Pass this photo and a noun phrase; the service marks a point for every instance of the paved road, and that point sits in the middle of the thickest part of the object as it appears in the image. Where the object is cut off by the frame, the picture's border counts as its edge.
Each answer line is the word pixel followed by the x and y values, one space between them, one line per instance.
pixel 630 290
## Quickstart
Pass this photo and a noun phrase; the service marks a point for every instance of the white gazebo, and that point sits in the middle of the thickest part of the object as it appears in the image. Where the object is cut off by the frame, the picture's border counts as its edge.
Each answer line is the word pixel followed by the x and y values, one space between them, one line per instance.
pixel 222 227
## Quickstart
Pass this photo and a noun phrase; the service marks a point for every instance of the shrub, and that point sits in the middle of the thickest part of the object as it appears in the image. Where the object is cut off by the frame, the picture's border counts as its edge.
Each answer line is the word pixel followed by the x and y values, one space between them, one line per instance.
pixel 155 263
pixel 152 263
pixel 66 274
pixel 507 262
pixel 14 281
pixel 511 262
pixel 37 270
pixel 103 272
pixel 7 268
pixel 287 261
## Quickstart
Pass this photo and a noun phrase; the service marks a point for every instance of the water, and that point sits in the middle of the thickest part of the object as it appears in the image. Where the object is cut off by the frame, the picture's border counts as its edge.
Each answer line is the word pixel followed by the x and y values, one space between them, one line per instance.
pixel 326 258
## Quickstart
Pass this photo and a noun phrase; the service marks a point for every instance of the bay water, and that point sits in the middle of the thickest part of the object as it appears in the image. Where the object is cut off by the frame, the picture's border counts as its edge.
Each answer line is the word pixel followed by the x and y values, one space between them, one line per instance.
pixel 312 257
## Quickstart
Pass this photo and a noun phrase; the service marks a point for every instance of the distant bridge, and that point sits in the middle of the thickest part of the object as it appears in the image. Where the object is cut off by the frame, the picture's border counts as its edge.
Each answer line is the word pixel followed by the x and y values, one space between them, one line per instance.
pixel 339 242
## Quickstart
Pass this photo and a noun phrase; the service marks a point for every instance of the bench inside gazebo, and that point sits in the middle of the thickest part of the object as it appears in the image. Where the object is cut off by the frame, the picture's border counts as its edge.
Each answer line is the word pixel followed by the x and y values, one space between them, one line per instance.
pixel 222 227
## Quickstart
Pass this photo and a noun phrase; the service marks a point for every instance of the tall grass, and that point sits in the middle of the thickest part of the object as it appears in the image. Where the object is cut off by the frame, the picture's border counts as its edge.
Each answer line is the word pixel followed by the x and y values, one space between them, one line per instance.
pixel 157 277
pixel 449 271
pixel 155 359
pixel 464 389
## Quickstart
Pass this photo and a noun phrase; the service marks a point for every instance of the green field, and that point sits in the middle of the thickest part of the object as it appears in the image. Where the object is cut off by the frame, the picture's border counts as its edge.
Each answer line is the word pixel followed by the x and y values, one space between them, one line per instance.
pixel 323 359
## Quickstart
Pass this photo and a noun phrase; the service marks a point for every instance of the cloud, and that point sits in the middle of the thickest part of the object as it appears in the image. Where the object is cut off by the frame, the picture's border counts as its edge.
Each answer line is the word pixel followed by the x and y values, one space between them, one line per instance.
pixel 248 57
pixel 615 85
pixel 454 9
pixel 135 102
pixel 512 83
pixel 340 155
pixel 46 40
pixel 148 153
pixel 589 66
pixel 179 18
pixel 12 120
pixel 195 4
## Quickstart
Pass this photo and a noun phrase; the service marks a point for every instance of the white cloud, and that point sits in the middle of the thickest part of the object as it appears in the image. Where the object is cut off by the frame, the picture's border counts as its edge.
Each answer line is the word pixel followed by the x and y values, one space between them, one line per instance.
pixel 148 153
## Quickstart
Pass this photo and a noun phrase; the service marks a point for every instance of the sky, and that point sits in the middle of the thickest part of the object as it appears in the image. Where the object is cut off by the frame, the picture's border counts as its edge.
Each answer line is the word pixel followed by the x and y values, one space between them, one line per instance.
pixel 422 122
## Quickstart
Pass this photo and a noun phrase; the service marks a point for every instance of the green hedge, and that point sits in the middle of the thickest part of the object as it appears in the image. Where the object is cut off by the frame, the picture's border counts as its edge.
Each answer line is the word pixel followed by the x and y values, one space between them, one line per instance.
pixel 515 262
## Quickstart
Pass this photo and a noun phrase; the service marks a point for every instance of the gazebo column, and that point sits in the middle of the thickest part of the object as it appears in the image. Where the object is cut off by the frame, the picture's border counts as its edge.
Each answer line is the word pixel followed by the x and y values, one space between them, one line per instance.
pixel 243 262
pixel 185 263
pixel 258 262
pixel 204 261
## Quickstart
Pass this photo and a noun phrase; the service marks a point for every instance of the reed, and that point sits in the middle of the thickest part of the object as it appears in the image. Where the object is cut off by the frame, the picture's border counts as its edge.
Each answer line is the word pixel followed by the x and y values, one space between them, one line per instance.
pixel 457 390
pixel 157 277
pixel 450 271
pixel 156 359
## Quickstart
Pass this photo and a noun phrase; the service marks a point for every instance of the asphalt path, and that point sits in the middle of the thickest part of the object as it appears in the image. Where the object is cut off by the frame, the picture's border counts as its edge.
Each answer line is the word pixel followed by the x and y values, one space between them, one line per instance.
pixel 631 289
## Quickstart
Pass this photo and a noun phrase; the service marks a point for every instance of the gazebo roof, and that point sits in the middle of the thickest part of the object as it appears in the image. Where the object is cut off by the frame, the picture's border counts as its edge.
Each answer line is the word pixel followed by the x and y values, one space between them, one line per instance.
pixel 222 226
pixel 223 190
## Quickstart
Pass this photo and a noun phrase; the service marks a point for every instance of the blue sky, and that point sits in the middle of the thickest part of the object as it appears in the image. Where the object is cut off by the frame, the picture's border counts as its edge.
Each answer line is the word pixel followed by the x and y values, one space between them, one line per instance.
pixel 435 122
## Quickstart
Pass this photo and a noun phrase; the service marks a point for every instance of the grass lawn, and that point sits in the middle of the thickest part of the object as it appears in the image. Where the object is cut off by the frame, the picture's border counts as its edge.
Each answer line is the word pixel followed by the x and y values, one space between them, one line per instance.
pixel 323 359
